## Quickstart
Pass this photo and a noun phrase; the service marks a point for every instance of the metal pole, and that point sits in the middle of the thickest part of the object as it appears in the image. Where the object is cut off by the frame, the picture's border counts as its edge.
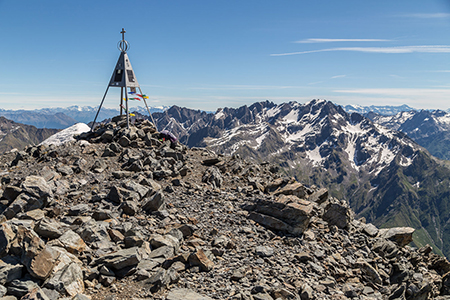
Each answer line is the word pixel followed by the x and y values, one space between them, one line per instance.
pixel 121 100
pixel 148 109
pixel 101 103
pixel 127 111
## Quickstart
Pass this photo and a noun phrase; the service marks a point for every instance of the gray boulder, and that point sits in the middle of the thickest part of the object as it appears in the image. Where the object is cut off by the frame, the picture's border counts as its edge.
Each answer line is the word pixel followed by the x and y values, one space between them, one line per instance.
pixel 23 203
pixel 339 214
pixel 6 237
pixel 67 280
pixel 36 294
pixel 185 294
pixel 10 269
pixel 287 213
pixel 20 288
pixel 154 203
pixel 37 187
pixel 78 210
pixel 3 291
pixel 48 228
pixel 120 259
pixel 11 192
pixel 119 194
pixel 213 177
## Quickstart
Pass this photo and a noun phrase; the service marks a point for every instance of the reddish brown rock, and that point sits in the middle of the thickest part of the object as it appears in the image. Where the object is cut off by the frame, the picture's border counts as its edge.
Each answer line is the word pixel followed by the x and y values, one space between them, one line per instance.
pixel 199 258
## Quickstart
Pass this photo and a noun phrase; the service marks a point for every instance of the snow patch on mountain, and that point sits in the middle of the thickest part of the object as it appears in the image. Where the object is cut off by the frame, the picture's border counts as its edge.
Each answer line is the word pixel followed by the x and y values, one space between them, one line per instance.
pixel 351 151
pixel 291 117
pixel 314 156
pixel 260 139
pixel 444 119
pixel 219 115
pixel 272 111
pixel 66 135
pixel 299 135
pixel 405 161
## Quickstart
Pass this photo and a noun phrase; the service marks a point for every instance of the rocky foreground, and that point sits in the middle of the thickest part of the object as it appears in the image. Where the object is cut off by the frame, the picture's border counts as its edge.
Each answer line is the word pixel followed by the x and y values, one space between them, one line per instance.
pixel 120 214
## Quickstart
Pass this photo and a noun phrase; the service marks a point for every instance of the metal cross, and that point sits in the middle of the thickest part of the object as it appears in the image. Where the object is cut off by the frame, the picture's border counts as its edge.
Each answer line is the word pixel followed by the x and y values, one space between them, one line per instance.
pixel 123 34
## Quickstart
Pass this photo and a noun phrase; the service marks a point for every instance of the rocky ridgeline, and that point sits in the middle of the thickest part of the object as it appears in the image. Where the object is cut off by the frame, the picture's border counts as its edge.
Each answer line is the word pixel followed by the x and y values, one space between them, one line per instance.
pixel 122 214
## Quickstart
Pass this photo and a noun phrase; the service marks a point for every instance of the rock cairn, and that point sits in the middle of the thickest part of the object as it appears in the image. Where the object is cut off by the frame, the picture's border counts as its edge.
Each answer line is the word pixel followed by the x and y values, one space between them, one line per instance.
pixel 120 214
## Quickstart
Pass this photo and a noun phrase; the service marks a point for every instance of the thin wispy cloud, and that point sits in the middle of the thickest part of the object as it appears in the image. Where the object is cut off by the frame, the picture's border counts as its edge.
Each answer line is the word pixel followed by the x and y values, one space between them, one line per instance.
pixel 316 82
pixel 435 97
pixel 439 71
pixel 397 91
pixel 338 76
pixel 313 41
pixel 396 76
pixel 428 16
pixel 245 87
pixel 387 50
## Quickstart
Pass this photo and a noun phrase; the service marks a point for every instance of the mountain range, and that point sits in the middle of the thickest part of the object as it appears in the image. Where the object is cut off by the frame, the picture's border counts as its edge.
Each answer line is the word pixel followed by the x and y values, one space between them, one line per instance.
pixel 382 110
pixel 430 129
pixel 16 135
pixel 386 176
pixel 61 118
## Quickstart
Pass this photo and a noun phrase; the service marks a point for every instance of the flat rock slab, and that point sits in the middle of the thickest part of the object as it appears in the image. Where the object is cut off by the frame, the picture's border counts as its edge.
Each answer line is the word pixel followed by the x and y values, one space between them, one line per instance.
pixel 370 229
pixel 185 294
pixel 288 213
pixel 296 189
pixel 120 259
pixel 43 263
pixel 400 235
pixel 264 251
pixel 211 161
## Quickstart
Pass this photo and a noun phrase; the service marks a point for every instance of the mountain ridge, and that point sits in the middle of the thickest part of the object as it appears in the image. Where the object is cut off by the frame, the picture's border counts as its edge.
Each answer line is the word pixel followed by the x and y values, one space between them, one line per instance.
pixel 382 110
pixel 320 143
pixel 18 136
pixel 431 129
pixel 63 117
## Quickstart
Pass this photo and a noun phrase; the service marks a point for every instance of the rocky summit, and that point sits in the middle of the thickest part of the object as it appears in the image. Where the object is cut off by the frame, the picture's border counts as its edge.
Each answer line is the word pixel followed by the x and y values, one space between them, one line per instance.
pixel 126 214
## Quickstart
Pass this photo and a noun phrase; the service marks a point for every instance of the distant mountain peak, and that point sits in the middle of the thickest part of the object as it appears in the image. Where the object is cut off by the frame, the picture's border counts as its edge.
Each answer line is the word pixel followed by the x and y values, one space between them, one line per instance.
pixel 382 110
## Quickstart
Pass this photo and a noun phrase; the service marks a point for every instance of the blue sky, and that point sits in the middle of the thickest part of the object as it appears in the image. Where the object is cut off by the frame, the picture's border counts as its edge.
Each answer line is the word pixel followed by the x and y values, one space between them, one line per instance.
pixel 211 54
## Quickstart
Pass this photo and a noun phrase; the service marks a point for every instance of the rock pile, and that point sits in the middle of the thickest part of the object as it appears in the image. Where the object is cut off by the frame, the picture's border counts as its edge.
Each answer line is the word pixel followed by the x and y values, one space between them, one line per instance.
pixel 122 214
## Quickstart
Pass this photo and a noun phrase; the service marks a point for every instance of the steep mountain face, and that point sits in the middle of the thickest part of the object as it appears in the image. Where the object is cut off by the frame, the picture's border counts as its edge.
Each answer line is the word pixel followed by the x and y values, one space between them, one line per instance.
pixel 16 135
pixel 382 110
pixel 384 174
pixel 430 129
pixel 189 125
